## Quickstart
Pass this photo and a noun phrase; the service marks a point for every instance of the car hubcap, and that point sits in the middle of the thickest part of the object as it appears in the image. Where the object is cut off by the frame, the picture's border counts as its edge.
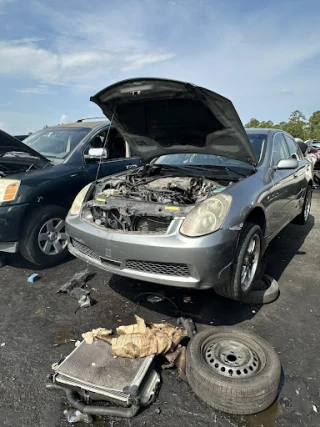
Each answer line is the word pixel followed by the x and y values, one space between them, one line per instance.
pixel 232 358
pixel 250 263
pixel 307 207
pixel 52 238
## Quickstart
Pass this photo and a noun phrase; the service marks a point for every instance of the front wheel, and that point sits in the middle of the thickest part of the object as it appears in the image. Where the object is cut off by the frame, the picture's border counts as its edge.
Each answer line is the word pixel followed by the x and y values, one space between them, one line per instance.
pixel 246 263
pixel 44 239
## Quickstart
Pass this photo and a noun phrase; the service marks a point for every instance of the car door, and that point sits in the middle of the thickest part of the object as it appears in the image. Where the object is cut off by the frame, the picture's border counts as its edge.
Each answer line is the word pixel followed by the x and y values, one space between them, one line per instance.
pixel 299 176
pixel 283 189
pixel 119 157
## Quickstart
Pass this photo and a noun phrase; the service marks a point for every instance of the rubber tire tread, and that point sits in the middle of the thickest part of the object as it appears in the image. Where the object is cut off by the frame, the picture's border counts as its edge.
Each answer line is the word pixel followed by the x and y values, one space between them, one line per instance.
pixel 231 289
pixel 233 395
pixel 300 218
pixel 29 248
pixel 258 296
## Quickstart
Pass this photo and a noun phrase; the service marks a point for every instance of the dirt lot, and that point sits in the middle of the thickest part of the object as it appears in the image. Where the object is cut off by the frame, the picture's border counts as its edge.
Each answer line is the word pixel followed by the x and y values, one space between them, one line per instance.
pixel 35 322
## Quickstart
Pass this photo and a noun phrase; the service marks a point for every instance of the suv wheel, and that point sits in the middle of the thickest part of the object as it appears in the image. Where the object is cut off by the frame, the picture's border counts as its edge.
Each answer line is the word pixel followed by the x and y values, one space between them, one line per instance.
pixel 246 263
pixel 44 240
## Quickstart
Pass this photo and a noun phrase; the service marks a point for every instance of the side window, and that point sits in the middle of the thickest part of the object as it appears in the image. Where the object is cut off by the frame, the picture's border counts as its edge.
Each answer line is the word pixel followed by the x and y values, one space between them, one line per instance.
pixel 116 145
pixel 280 150
pixel 292 147
pixel 113 142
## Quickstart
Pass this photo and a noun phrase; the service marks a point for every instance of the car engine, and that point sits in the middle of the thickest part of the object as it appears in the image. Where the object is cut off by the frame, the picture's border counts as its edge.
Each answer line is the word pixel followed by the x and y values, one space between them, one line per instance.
pixel 146 204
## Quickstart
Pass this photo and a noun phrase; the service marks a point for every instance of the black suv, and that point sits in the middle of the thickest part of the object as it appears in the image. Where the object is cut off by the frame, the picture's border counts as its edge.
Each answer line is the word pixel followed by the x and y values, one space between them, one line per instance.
pixel 40 177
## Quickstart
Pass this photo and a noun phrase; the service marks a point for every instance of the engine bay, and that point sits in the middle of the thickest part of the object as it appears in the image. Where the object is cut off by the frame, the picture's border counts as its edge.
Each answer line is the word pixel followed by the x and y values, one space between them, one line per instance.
pixel 8 168
pixel 147 204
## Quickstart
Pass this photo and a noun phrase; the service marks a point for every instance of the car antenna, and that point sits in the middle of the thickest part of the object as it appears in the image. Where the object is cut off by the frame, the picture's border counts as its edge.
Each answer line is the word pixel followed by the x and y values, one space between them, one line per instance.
pixel 104 146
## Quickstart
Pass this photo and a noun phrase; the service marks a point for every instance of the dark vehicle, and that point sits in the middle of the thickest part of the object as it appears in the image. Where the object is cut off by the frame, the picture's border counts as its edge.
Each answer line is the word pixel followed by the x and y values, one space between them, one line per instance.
pixel 21 137
pixel 208 201
pixel 40 177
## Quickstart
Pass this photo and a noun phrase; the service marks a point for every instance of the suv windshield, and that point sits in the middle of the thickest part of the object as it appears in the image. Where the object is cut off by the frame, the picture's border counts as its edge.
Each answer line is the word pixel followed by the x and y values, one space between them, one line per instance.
pixel 56 143
pixel 196 159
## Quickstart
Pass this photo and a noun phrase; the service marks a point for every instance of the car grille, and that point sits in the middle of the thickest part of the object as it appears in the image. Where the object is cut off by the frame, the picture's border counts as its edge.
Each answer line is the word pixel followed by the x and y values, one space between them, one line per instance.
pixel 166 269
pixel 85 250
pixel 152 225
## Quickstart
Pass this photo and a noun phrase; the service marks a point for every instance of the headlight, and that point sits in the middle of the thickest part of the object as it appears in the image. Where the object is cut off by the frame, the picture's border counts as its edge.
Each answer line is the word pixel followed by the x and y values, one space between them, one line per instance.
pixel 8 189
pixel 207 217
pixel 77 203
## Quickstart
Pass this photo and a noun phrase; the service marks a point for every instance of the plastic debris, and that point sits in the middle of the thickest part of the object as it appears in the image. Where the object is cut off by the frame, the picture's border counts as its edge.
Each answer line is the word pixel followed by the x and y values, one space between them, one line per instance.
pixel 33 277
pixel 75 416
pixel 188 325
pixel 85 301
pixel 186 300
pixel 3 344
pixel 155 299
pixel 76 288
pixel 314 408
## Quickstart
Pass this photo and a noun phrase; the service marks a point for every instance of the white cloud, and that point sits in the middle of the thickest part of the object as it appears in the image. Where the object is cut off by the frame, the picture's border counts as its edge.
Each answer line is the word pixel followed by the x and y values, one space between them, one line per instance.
pixel 64 119
pixel 37 90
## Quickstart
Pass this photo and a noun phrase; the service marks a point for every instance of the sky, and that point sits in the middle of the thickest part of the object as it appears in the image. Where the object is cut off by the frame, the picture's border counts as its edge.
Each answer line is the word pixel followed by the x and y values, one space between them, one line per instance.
pixel 55 54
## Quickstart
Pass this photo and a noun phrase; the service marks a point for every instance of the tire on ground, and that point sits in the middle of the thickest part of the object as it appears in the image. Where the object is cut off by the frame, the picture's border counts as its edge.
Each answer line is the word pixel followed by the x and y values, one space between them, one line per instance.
pixel 300 219
pixel 264 292
pixel 34 221
pixel 233 289
pixel 231 394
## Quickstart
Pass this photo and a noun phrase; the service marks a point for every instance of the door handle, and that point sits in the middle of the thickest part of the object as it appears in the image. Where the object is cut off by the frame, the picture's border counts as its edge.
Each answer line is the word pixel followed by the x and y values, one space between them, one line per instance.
pixel 131 166
pixel 295 175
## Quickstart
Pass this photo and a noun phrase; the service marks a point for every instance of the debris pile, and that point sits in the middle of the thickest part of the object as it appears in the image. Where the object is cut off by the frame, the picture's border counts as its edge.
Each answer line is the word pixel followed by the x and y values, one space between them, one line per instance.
pixel 141 340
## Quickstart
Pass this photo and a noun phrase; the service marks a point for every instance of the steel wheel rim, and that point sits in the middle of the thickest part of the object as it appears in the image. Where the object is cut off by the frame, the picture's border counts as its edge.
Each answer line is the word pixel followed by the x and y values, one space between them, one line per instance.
pixel 307 207
pixel 52 237
pixel 250 262
pixel 232 358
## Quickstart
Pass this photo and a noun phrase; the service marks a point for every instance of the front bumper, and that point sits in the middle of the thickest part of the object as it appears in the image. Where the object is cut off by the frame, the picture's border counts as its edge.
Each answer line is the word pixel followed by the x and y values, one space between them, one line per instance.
pixel 169 259
pixel 10 224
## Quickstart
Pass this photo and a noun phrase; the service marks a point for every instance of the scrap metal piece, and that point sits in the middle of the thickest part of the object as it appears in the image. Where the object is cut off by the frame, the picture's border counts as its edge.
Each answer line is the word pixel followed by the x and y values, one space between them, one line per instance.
pixel 75 288
pixel 77 281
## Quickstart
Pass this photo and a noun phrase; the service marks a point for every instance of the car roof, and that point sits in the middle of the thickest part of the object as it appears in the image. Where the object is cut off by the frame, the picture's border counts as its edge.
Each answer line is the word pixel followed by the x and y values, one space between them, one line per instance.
pixel 263 131
pixel 83 124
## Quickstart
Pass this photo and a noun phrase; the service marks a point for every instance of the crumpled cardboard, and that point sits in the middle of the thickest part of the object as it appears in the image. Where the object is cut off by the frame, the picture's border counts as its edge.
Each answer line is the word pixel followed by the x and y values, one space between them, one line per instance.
pixel 140 340
pixel 99 333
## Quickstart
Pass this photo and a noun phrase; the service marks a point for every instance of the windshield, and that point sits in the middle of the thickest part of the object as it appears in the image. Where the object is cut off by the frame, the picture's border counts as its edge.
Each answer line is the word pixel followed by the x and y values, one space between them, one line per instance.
pixel 56 143
pixel 194 159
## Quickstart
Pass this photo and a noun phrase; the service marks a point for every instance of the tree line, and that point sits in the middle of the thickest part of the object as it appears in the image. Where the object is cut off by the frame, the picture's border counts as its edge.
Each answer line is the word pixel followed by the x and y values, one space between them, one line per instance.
pixel 297 125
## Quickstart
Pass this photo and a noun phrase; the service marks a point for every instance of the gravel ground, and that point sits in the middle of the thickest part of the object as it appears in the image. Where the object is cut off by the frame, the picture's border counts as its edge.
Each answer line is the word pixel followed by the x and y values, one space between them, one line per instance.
pixel 36 322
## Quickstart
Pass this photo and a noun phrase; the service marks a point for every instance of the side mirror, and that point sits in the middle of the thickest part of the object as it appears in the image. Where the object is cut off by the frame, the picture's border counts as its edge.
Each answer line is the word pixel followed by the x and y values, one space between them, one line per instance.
pixel 287 164
pixel 97 153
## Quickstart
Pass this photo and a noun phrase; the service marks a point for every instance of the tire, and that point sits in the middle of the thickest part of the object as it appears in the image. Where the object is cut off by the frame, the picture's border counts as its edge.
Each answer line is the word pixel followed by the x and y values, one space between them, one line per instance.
pixel 267 290
pixel 234 289
pixel 244 394
pixel 34 223
pixel 303 217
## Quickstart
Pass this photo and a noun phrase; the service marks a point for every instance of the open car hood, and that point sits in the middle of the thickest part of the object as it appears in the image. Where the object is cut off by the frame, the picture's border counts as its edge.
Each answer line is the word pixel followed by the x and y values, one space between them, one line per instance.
pixel 8 144
pixel 159 116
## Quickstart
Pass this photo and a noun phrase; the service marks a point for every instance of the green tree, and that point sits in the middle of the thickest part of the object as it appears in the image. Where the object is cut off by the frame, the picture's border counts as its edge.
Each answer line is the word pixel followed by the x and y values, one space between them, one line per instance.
pixel 314 125
pixel 252 123
pixel 297 125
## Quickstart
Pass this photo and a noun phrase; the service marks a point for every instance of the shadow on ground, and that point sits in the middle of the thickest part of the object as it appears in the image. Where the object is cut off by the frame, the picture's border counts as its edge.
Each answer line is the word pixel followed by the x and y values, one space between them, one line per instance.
pixel 206 307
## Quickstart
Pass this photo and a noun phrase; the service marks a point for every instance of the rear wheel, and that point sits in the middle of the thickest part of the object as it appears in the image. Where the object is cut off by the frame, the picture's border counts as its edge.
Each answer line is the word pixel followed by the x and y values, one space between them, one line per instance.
pixel 303 217
pixel 44 239
pixel 246 263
